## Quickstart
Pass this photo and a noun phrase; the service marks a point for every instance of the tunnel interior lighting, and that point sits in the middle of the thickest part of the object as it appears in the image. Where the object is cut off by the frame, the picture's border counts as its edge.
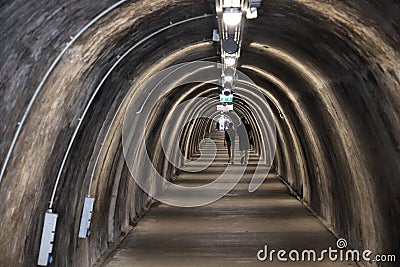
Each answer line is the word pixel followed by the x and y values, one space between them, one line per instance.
pixel 232 16
pixel 230 61
pixel 228 78
pixel 231 3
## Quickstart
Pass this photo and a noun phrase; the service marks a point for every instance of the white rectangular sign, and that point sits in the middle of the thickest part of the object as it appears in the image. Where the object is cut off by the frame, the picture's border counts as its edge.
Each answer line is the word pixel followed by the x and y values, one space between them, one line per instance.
pixel 224 108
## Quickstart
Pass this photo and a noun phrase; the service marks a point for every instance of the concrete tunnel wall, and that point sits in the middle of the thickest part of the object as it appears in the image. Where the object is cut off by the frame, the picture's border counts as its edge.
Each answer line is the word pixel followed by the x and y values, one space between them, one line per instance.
pixel 329 68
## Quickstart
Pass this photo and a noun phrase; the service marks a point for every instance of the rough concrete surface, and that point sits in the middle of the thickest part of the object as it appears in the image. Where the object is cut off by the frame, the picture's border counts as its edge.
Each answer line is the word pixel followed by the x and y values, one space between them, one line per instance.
pixel 329 70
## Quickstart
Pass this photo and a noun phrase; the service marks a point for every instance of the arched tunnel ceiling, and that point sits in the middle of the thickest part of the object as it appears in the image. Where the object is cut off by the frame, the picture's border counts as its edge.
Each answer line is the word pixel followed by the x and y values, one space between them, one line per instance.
pixel 329 70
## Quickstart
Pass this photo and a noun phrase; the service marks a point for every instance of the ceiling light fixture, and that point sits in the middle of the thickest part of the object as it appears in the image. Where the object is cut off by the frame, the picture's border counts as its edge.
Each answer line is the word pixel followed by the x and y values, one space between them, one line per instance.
pixel 230 61
pixel 232 16
pixel 228 79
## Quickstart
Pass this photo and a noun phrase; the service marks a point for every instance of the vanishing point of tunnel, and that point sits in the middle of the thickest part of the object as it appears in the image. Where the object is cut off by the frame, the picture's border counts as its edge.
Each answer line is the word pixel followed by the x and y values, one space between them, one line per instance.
pixel 116 118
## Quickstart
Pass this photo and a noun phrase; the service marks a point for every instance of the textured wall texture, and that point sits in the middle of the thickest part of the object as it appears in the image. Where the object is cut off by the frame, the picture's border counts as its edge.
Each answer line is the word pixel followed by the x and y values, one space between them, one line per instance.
pixel 330 70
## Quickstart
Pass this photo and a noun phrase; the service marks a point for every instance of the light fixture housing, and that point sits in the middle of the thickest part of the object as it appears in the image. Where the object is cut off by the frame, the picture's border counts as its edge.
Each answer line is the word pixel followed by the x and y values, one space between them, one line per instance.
pixel 232 16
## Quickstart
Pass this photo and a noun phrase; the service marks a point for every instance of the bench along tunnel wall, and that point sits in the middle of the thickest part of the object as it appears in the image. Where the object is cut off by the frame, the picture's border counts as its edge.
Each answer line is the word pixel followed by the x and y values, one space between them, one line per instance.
pixel 329 71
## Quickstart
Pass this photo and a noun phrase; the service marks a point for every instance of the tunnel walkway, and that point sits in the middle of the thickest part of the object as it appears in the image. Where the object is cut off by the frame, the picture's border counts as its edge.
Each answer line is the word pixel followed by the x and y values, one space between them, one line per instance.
pixel 228 232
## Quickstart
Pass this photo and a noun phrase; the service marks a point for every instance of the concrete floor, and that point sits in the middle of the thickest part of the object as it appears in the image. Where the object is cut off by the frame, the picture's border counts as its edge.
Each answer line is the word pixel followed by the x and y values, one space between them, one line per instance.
pixel 228 232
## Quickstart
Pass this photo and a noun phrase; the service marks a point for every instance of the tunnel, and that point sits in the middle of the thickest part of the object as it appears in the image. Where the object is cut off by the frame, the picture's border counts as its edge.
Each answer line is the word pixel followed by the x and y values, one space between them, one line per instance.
pixel 328 72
